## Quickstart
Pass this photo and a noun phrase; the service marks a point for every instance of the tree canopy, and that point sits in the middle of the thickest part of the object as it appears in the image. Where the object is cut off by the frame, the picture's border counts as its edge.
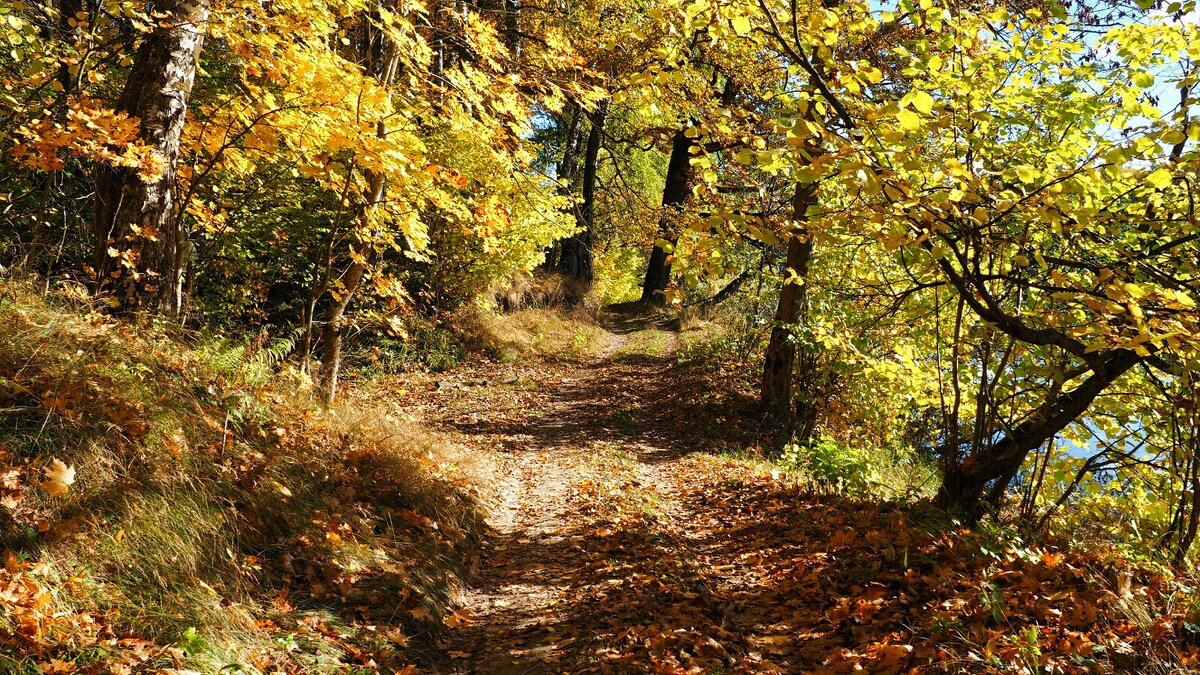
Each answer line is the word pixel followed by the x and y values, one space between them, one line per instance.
pixel 974 223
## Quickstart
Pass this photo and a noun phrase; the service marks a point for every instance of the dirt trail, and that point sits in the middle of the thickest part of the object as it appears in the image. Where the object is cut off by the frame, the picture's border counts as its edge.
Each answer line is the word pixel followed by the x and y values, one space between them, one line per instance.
pixel 619 546
pixel 578 443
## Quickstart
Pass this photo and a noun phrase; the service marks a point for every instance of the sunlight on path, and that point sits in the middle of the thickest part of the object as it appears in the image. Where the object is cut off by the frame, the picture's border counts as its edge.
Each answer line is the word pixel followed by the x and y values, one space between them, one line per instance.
pixel 588 453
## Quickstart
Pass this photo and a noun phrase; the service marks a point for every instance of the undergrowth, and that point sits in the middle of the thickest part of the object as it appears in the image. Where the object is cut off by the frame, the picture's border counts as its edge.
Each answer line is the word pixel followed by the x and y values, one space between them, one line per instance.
pixel 887 473
pixel 427 345
pixel 181 490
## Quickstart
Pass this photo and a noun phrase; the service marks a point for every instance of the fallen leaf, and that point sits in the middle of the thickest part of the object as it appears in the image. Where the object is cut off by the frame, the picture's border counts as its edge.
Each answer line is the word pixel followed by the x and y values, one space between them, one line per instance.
pixel 59 478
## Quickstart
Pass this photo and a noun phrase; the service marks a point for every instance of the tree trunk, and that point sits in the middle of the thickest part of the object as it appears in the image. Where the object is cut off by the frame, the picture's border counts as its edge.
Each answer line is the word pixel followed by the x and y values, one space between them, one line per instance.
pixel 512 28
pixel 675 192
pixel 964 493
pixel 727 292
pixel 570 161
pixel 1193 524
pixel 331 336
pixel 379 59
pixel 138 237
pixel 68 34
pixel 775 392
pixel 575 257
pixel 567 169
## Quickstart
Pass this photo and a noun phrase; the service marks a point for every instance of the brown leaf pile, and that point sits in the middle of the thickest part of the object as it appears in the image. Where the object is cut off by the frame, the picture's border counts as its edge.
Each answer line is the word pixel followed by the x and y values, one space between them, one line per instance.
pixel 759 576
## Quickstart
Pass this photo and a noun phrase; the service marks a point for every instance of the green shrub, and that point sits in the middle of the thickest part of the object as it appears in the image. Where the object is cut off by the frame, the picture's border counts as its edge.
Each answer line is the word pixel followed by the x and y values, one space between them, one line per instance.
pixel 831 465
pixel 428 346
pixel 860 470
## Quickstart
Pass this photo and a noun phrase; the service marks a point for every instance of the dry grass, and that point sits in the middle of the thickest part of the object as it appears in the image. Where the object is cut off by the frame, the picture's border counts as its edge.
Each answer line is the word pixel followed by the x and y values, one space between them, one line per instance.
pixel 554 332
pixel 216 508
pixel 540 290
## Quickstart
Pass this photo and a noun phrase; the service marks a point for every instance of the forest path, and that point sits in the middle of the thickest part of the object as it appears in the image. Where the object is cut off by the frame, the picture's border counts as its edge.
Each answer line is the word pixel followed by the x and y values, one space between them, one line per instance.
pixel 590 451
pixel 622 543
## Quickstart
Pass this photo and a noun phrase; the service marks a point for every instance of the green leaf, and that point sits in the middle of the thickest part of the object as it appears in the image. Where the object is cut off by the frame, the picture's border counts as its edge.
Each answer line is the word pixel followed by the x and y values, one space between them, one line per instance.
pixel 1143 80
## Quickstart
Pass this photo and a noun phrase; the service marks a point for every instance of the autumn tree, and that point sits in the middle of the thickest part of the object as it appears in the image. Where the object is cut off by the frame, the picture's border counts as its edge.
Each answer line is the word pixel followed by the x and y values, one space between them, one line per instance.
pixel 140 246
pixel 675 193
pixel 575 257
pixel 1028 218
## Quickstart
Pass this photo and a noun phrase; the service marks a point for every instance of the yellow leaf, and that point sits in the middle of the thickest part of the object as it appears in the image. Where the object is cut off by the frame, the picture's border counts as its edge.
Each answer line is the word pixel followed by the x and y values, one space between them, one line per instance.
pixel 1159 179
pixel 1027 174
pixel 459 618
pixel 397 637
pixel 741 25
pixel 923 102
pixel 909 120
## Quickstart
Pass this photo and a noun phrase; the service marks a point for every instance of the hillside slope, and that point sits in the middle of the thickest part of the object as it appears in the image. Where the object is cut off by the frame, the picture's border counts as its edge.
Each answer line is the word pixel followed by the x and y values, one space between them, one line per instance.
pixel 173 504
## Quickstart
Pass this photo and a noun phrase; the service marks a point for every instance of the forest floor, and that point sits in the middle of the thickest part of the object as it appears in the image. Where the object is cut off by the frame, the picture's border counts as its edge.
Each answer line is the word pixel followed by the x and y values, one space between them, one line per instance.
pixel 625 541
pixel 630 525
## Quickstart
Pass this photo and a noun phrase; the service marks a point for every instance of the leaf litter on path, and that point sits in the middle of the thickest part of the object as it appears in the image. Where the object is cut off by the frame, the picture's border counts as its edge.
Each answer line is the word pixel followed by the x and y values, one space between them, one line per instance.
pixel 621 546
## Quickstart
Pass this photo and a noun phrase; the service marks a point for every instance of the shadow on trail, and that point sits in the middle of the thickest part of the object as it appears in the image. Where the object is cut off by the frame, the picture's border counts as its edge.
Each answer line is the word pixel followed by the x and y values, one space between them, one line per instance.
pixel 762 583
pixel 630 317
pixel 735 571
pixel 637 399
pixel 763 577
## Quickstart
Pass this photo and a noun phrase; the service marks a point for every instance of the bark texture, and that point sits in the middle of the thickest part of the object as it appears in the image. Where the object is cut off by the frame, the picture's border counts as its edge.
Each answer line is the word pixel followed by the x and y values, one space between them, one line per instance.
pixel 140 246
